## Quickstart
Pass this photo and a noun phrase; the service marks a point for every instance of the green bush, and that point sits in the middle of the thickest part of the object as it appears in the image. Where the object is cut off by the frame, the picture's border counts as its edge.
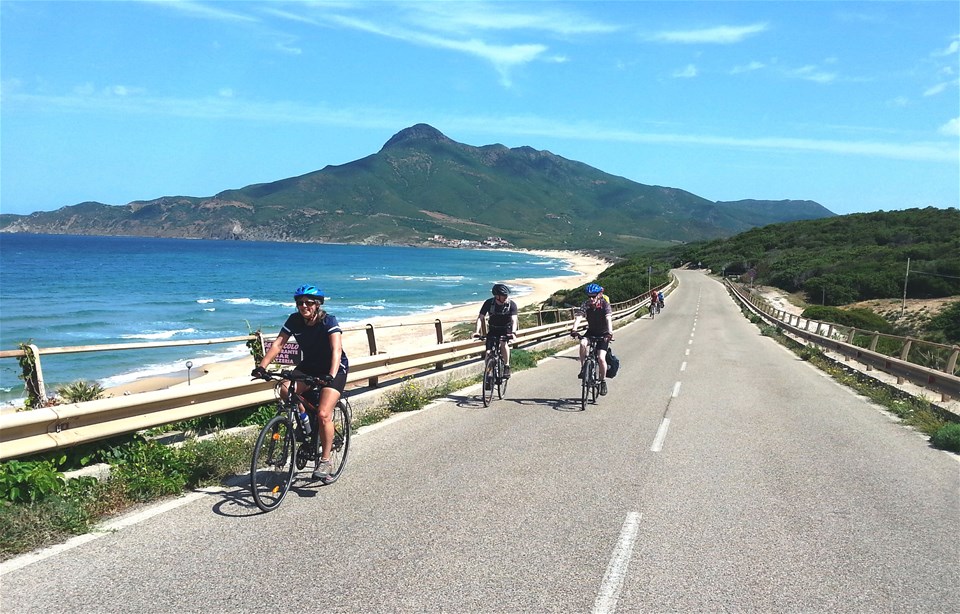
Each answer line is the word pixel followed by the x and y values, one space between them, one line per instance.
pixel 947 437
pixel 81 391
pixel 862 319
pixel 22 482
pixel 150 470
pixel 409 396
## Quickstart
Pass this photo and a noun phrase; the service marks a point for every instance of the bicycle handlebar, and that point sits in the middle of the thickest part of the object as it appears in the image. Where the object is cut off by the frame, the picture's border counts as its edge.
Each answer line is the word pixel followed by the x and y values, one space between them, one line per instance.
pixel 294 376
pixel 577 335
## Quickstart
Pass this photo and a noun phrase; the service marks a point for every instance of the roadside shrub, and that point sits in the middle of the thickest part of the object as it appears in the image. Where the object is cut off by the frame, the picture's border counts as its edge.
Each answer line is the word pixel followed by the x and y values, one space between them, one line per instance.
pixel 947 437
pixel 22 482
pixel 149 470
pixel 81 391
pixel 409 396
pixel 862 319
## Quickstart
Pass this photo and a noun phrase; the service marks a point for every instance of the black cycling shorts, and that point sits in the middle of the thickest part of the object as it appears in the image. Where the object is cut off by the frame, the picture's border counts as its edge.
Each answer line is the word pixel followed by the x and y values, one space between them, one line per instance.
pixel 602 343
pixel 339 382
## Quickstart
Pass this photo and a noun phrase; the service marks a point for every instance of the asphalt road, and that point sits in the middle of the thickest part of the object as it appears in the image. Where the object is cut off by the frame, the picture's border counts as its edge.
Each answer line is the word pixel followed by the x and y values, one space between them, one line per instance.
pixel 719 474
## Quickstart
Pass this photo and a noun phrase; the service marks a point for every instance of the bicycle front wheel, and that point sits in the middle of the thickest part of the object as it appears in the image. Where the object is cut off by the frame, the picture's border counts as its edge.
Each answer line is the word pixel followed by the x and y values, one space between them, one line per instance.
pixel 341 441
pixel 489 381
pixel 272 467
pixel 586 383
pixel 501 382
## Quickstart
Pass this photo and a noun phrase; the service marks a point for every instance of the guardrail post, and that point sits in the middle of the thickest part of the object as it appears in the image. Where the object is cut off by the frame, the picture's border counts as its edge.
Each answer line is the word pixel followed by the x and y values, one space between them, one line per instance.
pixel 540 315
pixel 439 325
pixel 904 352
pixel 373 382
pixel 35 381
pixel 951 366
pixel 873 346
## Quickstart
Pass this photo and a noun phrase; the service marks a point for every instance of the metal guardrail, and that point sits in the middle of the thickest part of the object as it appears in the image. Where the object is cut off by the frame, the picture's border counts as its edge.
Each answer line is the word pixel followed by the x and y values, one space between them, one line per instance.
pixel 61 426
pixel 839 339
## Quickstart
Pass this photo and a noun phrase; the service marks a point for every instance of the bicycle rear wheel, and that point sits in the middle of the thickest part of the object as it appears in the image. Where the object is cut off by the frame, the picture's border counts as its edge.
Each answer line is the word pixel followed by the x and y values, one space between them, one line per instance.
pixel 341 441
pixel 489 381
pixel 272 466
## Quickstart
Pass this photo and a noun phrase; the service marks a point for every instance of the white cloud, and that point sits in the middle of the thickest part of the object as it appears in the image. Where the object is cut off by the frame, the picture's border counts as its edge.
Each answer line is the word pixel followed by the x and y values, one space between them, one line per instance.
pixel 689 71
pixel 463 17
pixel 205 11
pixel 952 48
pixel 951 128
pixel 936 89
pixel 812 73
pixel 294 114
pixel 721 35
pixel 752 66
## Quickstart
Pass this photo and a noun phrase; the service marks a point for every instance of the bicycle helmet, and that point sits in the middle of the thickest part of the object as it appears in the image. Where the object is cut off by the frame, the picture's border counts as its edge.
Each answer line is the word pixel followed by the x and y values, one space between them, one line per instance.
pixel 501 290
pixel 593 289
pixel 308 290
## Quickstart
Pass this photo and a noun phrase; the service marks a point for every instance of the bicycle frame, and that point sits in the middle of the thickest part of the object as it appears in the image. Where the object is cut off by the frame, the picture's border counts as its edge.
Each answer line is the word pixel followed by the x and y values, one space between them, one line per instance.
pixel 590 384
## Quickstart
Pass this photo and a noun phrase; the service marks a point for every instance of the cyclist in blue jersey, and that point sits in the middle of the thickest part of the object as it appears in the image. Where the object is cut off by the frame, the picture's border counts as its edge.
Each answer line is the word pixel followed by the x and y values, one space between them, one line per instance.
pixel 503 322
pixel 320 339
pixel 599 316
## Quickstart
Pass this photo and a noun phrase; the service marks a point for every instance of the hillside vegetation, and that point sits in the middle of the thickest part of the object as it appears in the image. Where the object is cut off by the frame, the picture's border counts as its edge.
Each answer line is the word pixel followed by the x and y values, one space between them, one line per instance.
pixel 421 184
pixel 845 259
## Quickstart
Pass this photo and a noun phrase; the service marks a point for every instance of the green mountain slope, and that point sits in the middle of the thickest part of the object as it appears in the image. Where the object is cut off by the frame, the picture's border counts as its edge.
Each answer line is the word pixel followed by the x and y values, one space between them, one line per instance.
pixel 422 184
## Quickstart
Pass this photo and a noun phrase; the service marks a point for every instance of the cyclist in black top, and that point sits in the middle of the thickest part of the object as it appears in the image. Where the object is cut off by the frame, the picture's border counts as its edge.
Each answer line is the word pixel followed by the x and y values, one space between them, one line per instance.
pixel 319 336
pixel 503 322
pixel 596 310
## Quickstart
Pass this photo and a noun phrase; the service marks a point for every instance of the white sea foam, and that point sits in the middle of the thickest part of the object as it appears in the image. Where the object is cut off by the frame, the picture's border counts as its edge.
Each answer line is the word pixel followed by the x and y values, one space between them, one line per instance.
pixel 427 278
pixel 204 300
pixel 161 334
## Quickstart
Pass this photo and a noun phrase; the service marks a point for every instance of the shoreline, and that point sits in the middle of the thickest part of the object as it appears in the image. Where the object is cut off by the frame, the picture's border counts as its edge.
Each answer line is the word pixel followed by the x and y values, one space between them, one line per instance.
pixel 395 333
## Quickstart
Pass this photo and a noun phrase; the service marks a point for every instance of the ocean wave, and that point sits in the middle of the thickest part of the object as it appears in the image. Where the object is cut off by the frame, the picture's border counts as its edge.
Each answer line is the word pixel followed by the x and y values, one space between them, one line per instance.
pixel 210 309
pixel 367 307
pixel 162 334
pixel 238 301
pixel 204 300
pixel 427 278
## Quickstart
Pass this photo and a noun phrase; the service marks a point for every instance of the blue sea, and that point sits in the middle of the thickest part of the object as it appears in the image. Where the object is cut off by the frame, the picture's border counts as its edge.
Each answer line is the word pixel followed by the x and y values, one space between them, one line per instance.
pixel 60 290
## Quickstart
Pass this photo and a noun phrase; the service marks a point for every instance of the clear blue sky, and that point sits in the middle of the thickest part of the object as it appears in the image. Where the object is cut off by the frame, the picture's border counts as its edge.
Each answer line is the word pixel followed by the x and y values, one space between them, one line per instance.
pixel 852 104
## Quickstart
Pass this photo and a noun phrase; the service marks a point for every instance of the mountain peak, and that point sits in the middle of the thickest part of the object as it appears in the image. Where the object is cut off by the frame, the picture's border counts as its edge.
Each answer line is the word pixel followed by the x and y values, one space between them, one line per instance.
pixel 420 133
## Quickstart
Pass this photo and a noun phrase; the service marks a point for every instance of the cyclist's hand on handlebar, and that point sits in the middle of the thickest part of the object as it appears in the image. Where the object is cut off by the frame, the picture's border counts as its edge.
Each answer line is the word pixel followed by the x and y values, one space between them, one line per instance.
pixel 327 379
pixel 259 373
pixel 608 337
pixel 574 334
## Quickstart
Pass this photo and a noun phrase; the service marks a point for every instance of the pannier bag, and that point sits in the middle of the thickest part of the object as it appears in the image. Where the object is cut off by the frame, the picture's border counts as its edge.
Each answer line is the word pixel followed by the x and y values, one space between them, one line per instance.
pixel 613 364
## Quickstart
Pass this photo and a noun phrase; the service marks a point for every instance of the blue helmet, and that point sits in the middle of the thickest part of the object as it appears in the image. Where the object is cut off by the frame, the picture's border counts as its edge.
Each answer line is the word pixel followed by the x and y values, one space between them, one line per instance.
pixel 308 290
pixel 594 289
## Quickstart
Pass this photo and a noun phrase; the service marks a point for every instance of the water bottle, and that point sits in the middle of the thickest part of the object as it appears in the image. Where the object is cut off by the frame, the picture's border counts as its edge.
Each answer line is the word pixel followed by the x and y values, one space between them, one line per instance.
pixel 305 422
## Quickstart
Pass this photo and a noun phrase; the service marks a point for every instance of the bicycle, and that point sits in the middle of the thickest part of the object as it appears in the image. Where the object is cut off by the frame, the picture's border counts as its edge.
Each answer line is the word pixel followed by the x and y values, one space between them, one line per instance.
pixel 654 308
pixel 493 370
pixel 590 383
pixel 282 448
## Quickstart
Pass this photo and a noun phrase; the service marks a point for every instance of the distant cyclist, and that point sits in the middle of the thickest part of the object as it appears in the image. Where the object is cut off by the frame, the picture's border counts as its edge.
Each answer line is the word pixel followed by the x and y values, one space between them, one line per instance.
pixel 660 299
pixel 596 310
pixel 320 339
pixel 502 322
pixel 654 302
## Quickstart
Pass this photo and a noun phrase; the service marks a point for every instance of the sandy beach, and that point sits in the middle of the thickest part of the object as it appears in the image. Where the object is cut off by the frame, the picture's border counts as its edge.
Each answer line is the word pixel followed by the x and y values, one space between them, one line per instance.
pixel 396 334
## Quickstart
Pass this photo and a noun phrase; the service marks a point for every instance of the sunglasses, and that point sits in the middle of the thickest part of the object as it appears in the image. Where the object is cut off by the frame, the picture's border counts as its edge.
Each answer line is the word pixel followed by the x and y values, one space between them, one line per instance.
pixel 302 303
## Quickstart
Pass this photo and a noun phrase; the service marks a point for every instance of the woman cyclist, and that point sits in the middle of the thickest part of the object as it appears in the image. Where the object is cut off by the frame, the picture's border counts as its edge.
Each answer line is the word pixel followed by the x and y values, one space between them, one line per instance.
pixel 504 322
pixel 320 339
pixel 596 310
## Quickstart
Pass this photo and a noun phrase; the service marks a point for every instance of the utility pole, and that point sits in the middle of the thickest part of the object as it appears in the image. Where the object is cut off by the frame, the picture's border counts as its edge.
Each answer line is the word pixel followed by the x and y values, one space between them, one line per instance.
pixel 903 307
